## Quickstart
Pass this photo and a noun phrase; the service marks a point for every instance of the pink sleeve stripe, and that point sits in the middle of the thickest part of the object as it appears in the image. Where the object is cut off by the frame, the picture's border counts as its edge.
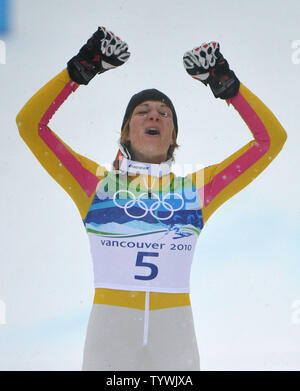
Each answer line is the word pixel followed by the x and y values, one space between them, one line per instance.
pixel 245 161
pixel 85 178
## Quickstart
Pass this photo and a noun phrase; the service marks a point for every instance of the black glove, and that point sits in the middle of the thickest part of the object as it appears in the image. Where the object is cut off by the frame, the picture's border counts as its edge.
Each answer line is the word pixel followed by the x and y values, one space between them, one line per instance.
pixel 103 51
pixel 206 63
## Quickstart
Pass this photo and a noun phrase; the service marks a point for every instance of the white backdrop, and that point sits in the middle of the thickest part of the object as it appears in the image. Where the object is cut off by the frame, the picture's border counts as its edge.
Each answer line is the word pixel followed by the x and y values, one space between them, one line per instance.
pixel 246 273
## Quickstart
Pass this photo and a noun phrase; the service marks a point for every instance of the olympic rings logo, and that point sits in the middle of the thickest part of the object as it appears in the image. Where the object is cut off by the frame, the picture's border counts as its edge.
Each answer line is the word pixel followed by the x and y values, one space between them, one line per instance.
pixel 142 205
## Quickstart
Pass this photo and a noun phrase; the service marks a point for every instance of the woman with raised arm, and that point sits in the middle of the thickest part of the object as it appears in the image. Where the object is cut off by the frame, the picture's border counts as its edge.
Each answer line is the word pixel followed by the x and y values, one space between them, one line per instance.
pixel 142 221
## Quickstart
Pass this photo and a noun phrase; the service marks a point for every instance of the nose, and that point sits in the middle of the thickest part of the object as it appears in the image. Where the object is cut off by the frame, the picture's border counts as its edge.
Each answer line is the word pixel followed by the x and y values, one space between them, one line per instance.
pixel 153 115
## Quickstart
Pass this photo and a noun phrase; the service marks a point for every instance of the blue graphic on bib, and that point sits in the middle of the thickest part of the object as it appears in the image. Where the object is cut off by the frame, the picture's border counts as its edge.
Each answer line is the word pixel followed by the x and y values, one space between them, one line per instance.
pixel 126 214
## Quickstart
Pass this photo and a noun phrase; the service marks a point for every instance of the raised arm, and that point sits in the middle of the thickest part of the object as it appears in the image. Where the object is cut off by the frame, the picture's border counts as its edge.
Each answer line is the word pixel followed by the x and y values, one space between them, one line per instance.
pixel 217 183
pixel 78 175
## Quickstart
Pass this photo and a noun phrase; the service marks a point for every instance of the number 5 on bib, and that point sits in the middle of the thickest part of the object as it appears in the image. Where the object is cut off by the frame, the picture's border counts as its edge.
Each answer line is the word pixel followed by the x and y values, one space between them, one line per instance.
pixel 140 262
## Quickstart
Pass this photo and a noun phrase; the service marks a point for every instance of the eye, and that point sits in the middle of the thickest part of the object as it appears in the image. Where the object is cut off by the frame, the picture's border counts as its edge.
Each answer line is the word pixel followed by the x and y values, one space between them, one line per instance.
pixel 142 112
pixel 164 114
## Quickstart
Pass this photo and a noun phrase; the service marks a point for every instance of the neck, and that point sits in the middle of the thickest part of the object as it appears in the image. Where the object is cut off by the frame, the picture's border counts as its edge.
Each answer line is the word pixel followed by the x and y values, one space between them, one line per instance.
pixel 139 157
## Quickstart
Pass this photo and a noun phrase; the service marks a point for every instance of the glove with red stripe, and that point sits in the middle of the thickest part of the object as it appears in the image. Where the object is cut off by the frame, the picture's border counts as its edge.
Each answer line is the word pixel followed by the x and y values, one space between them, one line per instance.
pixel 206 63
pixel 103 51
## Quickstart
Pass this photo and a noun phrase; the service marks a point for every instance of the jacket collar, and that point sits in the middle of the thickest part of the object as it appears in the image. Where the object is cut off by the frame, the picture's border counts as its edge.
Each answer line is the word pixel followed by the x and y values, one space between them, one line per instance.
pixel 152 169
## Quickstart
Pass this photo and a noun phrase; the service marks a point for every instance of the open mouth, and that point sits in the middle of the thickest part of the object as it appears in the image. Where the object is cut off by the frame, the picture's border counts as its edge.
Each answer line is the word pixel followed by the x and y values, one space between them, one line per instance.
pixel 152 131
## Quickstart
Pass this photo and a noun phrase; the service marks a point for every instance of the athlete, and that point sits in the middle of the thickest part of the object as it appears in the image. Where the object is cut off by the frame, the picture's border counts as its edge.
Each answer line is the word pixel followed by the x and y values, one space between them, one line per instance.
pixel 142 221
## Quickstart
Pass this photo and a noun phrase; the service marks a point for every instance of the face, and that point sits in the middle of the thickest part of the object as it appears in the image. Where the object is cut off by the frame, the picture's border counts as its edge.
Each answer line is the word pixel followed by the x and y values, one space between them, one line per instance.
pixel 150 132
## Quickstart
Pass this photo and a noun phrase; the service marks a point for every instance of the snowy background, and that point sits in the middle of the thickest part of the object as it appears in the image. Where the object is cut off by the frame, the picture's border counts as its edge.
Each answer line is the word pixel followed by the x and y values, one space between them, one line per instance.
pixel 245 278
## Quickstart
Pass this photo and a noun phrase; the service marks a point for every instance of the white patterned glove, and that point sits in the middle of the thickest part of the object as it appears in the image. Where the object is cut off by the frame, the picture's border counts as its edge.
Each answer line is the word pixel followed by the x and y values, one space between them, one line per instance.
pixel 103 51
pixel 206 64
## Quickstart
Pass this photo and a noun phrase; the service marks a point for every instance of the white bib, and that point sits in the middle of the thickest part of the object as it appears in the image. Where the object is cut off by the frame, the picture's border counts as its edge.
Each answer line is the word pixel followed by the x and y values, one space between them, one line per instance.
pixel 141 241
pixel 154 262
